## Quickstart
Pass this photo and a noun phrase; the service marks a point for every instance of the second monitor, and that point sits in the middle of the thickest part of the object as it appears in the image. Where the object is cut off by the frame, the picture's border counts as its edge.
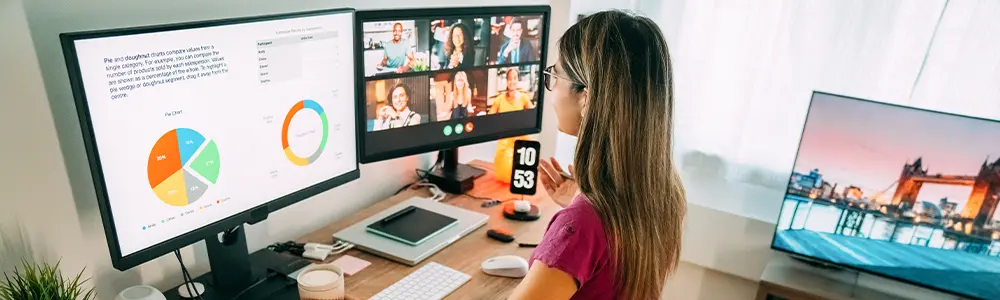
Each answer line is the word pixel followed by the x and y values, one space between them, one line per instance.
pixel 438 79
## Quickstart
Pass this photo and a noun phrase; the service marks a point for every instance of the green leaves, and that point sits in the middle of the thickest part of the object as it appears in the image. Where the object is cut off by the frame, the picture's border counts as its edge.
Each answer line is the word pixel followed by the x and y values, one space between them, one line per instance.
pixel 43 282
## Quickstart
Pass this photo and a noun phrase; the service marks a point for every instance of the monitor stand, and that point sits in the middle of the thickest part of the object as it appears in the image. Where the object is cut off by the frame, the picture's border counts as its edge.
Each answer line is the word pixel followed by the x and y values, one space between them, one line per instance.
pixel 235 270
pixel 453 177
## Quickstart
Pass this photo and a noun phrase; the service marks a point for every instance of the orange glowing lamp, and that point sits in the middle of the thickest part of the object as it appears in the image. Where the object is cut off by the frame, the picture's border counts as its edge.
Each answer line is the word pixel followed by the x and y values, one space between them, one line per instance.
pixel 504 157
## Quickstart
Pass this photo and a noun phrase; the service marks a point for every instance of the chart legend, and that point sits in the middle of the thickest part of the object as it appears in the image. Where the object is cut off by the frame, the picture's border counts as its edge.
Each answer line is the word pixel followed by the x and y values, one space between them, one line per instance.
pixel 182 165
pixel 304 133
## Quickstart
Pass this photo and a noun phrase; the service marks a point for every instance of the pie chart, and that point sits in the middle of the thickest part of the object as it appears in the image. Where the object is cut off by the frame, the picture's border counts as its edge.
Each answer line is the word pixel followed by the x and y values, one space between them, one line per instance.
pixel 308 133
pixel 182 165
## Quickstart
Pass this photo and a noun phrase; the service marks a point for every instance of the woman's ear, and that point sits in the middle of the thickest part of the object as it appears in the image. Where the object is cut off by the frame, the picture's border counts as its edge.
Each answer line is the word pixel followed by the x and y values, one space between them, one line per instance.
pixel 584 101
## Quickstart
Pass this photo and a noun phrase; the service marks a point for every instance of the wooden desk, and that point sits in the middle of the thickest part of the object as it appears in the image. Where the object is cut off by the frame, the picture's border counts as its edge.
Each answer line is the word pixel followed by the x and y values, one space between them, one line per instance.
pixel 464 255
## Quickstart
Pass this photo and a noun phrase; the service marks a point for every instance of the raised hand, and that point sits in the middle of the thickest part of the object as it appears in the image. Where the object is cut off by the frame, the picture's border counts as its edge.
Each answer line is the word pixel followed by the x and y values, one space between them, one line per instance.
pixel 455 60
pixel 387 112
pixel 560 185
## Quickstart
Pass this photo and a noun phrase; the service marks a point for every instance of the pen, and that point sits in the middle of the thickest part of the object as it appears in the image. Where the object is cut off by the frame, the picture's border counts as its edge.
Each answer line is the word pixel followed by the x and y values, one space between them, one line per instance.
pixel 398 214
pixel 525 245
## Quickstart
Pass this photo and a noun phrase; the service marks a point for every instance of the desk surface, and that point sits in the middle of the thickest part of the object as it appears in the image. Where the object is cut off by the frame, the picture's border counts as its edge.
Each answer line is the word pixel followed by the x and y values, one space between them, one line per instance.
pixel 464 255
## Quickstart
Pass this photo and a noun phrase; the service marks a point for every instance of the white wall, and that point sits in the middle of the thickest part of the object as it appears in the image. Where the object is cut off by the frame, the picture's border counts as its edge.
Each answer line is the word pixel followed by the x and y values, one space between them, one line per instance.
pixel 34 181
pixel 693 282
pixel 50 210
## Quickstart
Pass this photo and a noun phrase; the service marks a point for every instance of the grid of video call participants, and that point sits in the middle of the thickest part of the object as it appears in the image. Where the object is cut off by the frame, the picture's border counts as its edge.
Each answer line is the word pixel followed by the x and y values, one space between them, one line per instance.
pixel 432 70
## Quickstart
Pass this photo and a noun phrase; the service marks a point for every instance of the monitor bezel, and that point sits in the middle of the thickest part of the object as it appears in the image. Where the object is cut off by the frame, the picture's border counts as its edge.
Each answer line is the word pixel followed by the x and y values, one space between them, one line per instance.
pixel 823 260
pixel 363 16
pixel 252 215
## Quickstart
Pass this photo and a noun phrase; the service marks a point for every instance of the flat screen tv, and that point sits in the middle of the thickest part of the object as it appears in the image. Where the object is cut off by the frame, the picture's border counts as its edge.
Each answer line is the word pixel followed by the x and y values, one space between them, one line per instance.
pixel 899 192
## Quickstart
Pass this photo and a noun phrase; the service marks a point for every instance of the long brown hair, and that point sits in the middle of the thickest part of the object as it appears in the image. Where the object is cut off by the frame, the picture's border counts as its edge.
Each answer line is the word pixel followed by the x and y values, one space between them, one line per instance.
pixel 623 155
pixel 450 47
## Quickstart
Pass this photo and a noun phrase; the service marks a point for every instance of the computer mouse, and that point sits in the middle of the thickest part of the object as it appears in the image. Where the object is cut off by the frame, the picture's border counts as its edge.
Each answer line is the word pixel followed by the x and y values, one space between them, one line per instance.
pixel 506 266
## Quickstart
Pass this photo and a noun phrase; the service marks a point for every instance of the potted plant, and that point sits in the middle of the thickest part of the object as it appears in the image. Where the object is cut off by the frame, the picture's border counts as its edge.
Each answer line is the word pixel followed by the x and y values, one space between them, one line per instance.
pixel 38 282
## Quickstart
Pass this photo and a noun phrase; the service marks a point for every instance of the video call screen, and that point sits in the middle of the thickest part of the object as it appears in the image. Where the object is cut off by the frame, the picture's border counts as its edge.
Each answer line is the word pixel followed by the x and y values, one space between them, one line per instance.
pixel 434 81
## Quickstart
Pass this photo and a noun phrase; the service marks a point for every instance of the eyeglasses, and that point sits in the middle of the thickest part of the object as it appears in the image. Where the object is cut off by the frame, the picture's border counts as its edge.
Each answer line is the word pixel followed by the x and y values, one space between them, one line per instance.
pixel 550 78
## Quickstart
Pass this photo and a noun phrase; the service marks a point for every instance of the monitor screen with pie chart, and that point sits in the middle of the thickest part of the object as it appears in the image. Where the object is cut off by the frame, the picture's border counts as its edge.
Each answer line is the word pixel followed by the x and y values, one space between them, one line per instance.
pixel 190 125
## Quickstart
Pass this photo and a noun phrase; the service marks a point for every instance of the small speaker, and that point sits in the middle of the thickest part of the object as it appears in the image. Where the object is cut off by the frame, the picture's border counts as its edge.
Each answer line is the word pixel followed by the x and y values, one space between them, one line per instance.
pixel 141 292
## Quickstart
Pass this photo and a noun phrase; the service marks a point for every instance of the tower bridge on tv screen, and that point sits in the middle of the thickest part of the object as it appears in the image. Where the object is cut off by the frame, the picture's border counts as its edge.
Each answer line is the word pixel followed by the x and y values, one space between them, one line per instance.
pixel 982 200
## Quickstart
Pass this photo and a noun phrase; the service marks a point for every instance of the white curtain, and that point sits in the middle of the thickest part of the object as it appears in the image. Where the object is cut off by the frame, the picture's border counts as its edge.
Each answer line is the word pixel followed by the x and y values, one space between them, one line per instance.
pixel 962 74
pixel 744 72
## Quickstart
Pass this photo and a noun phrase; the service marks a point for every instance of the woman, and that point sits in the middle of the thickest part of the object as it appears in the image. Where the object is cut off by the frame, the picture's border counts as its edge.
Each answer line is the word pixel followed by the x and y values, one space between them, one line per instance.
pixel 460 97
pixel 619 235
pixel 398 113
pixel 511 99
pixel 459 49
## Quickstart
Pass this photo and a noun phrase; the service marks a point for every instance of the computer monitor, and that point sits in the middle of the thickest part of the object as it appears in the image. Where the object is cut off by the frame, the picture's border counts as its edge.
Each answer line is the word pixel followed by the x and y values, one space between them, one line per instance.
pixel 437 79
pixel 194 129
pixel 896 191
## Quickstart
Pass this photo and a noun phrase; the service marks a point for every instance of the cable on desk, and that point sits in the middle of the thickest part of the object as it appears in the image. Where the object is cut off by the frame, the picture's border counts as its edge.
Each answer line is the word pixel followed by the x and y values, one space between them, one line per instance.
pixel 490 202
pixel 289 246
pixel 422 174
pixel 347 246
pixel 479 198
pixel 436 193
pixel 298 248
pixel 188 282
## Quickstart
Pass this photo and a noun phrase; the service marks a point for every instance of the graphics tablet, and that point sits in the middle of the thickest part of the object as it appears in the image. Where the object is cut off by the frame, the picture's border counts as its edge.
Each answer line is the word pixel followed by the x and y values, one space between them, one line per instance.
pixel 412 225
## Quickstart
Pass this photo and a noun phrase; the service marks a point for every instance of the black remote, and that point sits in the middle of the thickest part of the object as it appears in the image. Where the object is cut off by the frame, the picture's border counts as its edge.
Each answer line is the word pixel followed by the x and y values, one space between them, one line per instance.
pixel 500 236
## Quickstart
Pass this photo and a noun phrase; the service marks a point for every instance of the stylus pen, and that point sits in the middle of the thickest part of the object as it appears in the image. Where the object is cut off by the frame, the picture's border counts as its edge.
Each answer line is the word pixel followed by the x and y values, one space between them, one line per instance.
pixel 398 214
pixel 524 245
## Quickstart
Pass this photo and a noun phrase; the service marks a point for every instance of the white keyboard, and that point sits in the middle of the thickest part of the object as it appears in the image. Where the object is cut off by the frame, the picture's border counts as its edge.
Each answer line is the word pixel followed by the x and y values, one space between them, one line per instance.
pixel 433 281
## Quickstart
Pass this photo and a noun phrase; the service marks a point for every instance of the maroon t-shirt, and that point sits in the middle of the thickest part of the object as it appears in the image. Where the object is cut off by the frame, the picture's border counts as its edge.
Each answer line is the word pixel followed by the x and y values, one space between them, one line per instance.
pixel 575 243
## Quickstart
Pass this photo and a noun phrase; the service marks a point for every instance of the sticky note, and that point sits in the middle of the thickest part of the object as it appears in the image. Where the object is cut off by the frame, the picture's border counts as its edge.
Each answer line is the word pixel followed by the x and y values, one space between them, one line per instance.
pixel 351 265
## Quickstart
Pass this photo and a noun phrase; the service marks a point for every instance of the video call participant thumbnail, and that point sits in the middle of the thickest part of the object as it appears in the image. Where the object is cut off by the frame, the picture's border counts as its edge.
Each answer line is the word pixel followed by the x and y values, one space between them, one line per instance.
pixel 456 43
pixel 396 103
pixel 515 40
pixel 395 47
pixel 509 95
pixel 459 94
pixel 500 26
